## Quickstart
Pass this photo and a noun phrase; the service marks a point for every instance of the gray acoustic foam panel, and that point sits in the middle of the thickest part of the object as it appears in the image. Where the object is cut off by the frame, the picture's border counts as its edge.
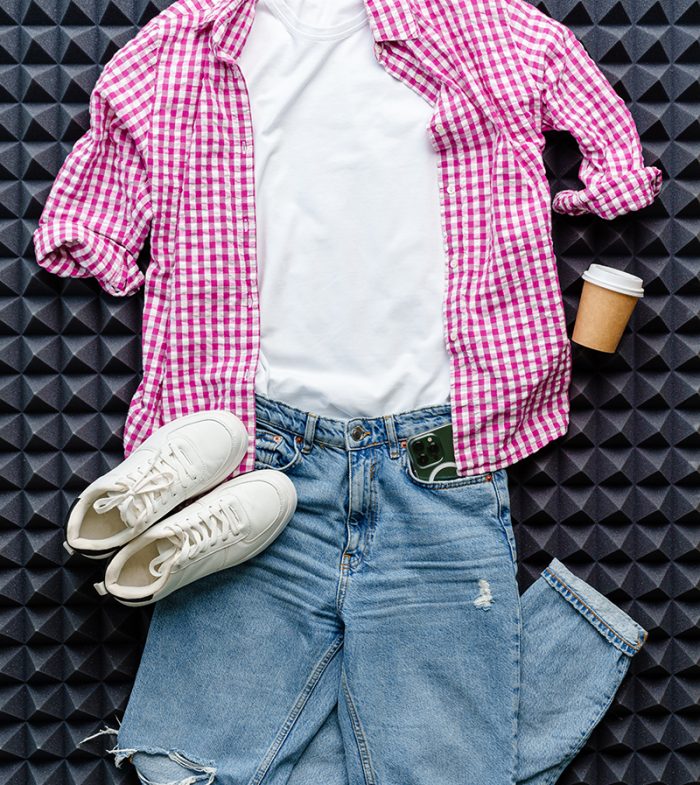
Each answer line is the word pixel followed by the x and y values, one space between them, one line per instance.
pixel 616 498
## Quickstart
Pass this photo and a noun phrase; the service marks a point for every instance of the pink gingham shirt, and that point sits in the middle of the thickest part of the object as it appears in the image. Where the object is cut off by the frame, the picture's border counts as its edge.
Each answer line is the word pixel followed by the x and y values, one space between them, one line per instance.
pixel 170 150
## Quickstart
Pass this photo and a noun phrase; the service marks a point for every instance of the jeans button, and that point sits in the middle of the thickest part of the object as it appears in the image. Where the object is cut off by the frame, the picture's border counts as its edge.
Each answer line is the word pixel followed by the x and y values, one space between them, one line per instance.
pixel 356 433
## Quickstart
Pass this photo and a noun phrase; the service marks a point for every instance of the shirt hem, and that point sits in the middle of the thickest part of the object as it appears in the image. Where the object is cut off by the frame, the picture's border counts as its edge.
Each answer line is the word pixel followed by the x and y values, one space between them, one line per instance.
pixel 532 446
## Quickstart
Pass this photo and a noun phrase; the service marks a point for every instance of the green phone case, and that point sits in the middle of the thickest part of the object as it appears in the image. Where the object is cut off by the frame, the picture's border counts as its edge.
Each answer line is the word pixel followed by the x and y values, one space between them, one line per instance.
pixel 431 454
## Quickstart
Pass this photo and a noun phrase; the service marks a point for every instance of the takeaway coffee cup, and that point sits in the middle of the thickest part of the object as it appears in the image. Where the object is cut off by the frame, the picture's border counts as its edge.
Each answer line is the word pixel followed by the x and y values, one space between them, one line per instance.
pixel 607 301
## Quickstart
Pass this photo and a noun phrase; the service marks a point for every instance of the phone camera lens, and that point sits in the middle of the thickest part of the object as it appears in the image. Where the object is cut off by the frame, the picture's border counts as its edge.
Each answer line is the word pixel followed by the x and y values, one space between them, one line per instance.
pixel 422 459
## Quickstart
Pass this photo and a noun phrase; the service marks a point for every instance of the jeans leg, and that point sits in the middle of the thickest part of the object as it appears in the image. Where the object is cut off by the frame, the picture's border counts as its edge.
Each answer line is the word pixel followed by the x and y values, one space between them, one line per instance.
pixel 431 609
pixel 241 668
pixel 323 761
pixel 576 649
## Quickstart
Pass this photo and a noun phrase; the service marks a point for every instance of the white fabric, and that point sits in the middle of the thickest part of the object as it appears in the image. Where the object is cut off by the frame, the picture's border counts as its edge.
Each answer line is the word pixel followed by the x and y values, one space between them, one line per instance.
pixel 351 258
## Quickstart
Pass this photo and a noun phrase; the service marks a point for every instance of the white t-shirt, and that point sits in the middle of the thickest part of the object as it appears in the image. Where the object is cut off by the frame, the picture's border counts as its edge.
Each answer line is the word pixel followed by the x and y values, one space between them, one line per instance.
pixel 351 265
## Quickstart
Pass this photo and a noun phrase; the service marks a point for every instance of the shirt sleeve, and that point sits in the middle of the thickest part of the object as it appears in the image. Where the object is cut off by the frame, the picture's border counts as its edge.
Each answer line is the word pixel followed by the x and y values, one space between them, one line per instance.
pixel 577 98
pixel 98 213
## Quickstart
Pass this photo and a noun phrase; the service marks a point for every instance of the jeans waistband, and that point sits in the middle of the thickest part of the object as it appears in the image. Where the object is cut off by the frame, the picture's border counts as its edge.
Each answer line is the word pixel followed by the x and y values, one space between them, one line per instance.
pixel 353 433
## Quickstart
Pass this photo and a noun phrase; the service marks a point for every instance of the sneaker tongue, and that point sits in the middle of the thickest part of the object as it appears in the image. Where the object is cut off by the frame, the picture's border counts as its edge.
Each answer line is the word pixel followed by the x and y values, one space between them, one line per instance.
pixel 105 494
pixel 165 546
pixel 166 555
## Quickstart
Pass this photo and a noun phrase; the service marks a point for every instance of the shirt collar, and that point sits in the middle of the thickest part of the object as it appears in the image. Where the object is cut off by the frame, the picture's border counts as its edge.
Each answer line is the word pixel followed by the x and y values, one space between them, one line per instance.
pixel 230 21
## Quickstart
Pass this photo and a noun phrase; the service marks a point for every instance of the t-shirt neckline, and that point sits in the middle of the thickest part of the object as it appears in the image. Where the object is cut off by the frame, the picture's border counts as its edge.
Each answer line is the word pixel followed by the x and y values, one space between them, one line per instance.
pixel 328 33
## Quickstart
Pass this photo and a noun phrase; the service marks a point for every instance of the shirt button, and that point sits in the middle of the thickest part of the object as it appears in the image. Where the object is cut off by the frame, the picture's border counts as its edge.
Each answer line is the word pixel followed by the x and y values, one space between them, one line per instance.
pixel 450 189
pixel 245 224
pixel 453 263
pixel 439 128
pixel 454 335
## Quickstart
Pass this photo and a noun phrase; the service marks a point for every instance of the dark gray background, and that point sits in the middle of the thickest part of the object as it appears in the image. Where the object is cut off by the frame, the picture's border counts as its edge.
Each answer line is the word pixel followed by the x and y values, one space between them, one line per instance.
pixel 616 499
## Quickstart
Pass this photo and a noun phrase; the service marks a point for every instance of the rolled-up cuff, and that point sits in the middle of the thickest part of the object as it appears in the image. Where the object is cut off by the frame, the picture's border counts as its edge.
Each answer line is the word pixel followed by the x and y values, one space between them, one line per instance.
pixel 612 195
pixel 71 249
pixel 620 629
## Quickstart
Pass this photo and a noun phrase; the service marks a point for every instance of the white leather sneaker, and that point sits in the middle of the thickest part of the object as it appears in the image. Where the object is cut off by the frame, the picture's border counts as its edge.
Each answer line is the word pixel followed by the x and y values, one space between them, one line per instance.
pixel 184 458
pixel 229 525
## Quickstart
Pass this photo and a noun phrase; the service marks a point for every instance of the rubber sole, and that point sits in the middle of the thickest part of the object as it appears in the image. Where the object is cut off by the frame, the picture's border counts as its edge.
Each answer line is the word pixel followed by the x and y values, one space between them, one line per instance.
pixel 89 554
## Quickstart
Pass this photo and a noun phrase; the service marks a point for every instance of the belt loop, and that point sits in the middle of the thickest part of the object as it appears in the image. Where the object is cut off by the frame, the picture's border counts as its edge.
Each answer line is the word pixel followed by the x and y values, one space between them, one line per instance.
pixel 391 434
pixel 309 432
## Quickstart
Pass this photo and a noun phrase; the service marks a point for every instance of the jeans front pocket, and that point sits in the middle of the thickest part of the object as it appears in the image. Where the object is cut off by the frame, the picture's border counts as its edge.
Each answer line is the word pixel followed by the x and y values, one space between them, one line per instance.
pixel 275 447
pixel 439 485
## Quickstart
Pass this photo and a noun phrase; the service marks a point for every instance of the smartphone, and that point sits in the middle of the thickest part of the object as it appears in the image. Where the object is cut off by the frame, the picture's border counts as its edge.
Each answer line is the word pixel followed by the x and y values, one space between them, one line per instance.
pixel 431 454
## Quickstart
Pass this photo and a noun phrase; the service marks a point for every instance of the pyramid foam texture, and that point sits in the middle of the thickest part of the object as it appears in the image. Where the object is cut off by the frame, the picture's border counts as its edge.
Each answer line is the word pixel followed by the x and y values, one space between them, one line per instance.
pixel 616 498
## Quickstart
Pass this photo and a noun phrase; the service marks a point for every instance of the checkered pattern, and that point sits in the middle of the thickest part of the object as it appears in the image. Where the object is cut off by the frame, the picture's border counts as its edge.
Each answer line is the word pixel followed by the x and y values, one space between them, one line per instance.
pixel 170 151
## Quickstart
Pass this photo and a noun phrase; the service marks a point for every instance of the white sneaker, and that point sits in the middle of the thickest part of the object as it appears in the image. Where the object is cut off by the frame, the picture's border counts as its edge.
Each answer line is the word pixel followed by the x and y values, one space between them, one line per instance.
pixel 183 458
pixel 229 525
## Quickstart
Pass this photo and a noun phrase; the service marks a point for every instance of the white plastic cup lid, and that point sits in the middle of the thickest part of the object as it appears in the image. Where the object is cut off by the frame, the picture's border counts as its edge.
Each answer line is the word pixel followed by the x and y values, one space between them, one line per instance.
pixel 615 280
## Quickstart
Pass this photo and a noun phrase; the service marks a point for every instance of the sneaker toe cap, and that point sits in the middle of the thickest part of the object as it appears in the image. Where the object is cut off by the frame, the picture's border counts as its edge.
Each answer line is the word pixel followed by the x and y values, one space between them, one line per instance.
pixel 220 441
pixel 268 497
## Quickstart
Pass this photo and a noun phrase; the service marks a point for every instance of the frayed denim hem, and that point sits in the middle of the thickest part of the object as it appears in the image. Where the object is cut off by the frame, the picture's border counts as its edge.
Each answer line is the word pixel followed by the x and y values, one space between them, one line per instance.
pixel 198 773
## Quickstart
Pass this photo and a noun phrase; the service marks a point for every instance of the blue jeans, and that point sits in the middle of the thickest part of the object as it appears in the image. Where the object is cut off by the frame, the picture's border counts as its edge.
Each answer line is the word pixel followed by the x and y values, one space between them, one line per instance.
pixel 380 640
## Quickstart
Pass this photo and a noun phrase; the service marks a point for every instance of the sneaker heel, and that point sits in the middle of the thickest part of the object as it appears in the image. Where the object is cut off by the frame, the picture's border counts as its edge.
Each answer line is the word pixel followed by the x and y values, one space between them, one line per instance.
pixel 100 588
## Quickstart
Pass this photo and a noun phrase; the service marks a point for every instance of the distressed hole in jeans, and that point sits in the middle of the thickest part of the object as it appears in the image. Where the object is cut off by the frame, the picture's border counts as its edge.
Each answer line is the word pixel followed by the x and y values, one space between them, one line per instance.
pixel 156 766
pixel 484 599
pixel 171 768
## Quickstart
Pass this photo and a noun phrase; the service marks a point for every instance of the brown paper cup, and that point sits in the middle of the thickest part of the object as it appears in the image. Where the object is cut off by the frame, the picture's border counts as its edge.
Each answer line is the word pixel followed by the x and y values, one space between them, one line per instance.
pixel 602 317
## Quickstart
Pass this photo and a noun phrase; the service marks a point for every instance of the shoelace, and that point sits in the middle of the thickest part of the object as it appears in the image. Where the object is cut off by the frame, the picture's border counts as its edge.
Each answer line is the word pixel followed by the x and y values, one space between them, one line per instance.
pixel 139 494
pixel 191 537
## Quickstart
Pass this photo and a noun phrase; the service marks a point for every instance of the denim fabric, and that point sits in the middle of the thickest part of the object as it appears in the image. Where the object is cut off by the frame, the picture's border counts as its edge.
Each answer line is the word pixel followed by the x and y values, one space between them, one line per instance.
pixel 380 640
